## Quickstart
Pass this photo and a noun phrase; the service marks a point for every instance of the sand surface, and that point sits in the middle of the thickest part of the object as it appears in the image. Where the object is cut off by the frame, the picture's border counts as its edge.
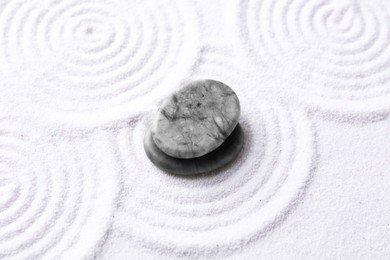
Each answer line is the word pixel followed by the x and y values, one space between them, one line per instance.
pixel 80 81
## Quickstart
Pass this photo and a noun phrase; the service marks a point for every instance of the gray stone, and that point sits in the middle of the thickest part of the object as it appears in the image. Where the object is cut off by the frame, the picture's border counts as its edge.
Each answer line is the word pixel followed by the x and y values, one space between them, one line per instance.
pixel 221 156
pixel 196 120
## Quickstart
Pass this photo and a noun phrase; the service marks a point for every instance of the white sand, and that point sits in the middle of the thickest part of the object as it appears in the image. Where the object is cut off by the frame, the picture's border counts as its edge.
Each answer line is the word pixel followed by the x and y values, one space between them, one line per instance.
pixel 80 80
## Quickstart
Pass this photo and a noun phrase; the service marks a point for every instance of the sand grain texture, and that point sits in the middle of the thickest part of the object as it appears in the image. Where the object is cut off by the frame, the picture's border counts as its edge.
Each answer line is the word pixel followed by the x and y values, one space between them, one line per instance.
pixel 81 80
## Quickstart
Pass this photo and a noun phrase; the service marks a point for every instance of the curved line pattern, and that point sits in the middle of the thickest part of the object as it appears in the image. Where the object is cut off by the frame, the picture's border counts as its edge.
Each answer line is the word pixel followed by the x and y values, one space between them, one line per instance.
pixel 54 200
pixel 231 206
pixel 338 50
pixel 101 56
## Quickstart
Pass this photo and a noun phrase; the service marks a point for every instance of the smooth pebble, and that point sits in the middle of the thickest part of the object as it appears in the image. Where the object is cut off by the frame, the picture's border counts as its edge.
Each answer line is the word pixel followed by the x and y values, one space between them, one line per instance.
pixel 196 119
pixel 221 156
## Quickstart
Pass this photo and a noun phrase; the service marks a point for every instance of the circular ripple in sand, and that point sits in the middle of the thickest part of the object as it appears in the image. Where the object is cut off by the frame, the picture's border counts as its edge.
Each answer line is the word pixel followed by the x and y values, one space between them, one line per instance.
pixel 337 52
pixel 225 209
pixel 99 57
pixel 54 201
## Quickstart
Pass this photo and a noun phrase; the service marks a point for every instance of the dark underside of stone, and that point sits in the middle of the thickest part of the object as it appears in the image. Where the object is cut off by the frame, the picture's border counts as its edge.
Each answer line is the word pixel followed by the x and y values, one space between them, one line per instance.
pixel 221 156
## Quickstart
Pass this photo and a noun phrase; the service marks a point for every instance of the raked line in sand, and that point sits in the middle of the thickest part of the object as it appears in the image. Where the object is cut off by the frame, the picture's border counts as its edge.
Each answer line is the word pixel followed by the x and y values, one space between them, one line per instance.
pixel 96 61
pixel 224 210
pixel 333 56
pixel 57 196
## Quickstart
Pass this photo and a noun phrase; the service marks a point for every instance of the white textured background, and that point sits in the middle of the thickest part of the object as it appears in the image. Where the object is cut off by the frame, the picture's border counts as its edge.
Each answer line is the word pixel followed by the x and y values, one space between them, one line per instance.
pixel 80 80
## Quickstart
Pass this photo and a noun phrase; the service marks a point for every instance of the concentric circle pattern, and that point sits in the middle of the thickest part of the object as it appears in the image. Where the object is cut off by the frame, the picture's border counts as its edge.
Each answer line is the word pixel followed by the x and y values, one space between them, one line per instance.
pixel 229 207
pixel 96 56
pixel 336 53
pixel 55 201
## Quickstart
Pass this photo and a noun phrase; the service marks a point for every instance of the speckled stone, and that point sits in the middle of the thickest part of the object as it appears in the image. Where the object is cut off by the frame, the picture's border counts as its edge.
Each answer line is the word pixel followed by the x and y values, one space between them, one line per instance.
pixel 221 156
pixel 196 120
